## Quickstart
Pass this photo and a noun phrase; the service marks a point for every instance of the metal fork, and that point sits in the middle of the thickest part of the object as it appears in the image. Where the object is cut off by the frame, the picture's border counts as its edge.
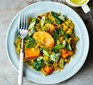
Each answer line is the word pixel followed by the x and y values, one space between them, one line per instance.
pixel 22 29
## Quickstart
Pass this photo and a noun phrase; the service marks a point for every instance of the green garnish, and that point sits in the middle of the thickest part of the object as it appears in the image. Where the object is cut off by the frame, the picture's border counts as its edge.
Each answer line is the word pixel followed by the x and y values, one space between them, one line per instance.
pixel 58 47
pixel 48 21
pixel 38 64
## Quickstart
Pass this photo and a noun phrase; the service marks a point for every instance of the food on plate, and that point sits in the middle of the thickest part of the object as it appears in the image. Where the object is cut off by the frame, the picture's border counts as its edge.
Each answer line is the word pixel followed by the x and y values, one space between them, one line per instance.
pixel 50 42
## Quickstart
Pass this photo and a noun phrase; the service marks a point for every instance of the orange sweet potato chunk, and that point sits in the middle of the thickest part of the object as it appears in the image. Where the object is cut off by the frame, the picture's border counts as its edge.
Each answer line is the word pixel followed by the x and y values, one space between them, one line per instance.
pixel 31 53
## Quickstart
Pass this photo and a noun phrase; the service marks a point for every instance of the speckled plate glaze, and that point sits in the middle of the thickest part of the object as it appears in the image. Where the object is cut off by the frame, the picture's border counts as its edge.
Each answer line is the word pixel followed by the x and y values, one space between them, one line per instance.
pixel 82 46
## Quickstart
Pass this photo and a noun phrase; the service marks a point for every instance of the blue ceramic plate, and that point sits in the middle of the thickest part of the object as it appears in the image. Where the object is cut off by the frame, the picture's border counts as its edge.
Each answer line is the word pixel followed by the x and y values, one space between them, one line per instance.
pixel 82 46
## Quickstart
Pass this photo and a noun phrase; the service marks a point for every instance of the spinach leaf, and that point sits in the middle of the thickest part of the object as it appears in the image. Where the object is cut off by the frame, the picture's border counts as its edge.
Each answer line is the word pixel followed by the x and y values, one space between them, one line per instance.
pixel 55 36
pixel 48 21
pixel 29 39
pixel 61 31
pixel 54 14
pixel 58 47
pixel 31 42
pixel 41 49
pixel 68 47
pixel 38 64
pixel 58 21
pixel 49 62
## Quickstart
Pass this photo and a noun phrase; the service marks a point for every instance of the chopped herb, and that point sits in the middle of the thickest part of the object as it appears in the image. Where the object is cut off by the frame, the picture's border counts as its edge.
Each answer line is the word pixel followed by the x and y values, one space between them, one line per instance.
pixel 58 42
pixel 31 44
pixel 32 23
pixel 45 52
pixel 55 57
pixel 58 47
pixel 48 21
pixel 38 64
pixel 55 36
pixel 42 21
pixel 61 63
pixel 54 14
pixel 61 31
pixel 62 17
pixel 68 47
pixel 58 21
pixel 28 38
pixel 41 49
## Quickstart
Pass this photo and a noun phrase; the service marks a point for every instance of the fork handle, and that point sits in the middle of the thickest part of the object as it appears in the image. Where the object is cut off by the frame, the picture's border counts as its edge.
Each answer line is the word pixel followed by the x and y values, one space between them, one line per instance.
pixel 20 73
